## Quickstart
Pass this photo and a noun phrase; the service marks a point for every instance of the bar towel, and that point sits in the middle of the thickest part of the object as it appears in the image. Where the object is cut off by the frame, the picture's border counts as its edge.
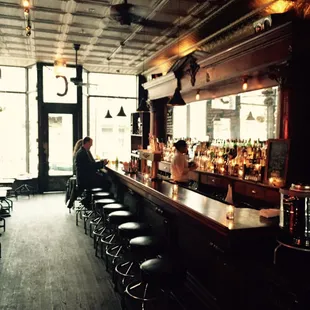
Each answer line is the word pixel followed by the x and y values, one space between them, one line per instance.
pixel 269 212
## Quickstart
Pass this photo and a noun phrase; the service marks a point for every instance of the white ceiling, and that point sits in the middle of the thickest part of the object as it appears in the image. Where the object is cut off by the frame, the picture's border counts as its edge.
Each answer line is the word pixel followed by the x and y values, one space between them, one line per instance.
pixel 57 24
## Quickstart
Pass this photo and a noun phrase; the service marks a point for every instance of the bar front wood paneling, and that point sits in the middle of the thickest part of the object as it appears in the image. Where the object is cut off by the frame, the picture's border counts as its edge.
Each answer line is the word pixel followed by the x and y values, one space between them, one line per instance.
pixel 218 253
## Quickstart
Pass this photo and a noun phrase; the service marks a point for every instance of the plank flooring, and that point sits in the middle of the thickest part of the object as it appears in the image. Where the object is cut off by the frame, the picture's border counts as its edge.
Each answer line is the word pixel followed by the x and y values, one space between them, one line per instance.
pixel 48 262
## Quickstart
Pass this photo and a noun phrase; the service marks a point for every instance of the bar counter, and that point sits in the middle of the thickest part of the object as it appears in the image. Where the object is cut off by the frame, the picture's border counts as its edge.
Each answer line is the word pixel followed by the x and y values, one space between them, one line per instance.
pixel 204 209
pixel 225 259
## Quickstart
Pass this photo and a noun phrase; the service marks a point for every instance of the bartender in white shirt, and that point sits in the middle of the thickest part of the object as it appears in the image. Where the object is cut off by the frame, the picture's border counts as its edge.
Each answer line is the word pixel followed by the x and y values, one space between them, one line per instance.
pixel 179 165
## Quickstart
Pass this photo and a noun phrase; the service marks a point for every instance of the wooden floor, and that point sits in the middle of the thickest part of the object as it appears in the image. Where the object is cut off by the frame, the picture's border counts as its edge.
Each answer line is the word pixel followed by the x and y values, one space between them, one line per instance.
pixel 48 262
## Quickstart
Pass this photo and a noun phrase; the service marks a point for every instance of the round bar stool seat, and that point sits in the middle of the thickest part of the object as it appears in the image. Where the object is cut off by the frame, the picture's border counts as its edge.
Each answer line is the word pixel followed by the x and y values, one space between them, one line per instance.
pixel 94 190
pixel 131 230
pixel 158 277
pixel 101 195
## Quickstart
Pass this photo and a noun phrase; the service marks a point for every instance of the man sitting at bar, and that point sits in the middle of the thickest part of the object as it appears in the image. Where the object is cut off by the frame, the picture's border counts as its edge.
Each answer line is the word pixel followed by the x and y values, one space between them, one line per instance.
pixel 88 175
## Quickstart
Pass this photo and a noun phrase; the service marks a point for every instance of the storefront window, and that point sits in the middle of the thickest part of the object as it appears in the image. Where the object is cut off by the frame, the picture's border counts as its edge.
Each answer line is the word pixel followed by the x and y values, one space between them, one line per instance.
pixel 111 135
pixel 13 79
pixel 53 85
pixel 13 134
pixel 113 85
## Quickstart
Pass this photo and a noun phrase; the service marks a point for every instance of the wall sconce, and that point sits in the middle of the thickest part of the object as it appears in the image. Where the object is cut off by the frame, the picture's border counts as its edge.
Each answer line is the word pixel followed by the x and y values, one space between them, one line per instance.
pixel 245 83
pixel 198 94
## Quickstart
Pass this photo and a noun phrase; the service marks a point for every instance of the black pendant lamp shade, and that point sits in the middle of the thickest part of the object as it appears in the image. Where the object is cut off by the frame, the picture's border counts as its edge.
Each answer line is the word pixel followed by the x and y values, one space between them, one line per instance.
pixel 250 117
pixel 121 112
pixel 176 99
pixel 143 106
pixel 108 115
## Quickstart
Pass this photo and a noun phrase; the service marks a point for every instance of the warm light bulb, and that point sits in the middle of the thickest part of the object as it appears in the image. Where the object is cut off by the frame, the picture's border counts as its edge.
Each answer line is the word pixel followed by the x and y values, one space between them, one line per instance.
pixel 245 86
pixel 26 3
pixel 198 95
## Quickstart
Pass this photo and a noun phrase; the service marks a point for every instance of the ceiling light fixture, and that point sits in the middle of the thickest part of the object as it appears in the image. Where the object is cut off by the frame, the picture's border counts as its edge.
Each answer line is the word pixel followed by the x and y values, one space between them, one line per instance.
pixel 198 94
pixel 245 83
pixel 26 4
pixel 121 111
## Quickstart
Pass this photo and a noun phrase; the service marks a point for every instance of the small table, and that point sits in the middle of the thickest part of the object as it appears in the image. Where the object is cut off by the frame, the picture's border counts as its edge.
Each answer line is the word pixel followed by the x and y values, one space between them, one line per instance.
pixel 24 188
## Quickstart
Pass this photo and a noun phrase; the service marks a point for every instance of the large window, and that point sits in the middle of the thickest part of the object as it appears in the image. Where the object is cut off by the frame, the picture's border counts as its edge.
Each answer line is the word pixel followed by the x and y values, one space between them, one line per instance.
pixel 18 121
pixel 111 135
pixel 12 134
pixel 53 85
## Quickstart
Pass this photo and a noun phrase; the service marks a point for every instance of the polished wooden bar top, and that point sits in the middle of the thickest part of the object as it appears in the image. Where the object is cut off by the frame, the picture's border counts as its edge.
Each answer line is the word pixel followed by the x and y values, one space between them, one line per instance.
pixel 200 207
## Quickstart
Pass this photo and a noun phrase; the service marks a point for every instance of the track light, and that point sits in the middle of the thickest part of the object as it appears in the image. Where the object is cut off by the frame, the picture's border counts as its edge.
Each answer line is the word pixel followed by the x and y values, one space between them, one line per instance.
pixel 26 12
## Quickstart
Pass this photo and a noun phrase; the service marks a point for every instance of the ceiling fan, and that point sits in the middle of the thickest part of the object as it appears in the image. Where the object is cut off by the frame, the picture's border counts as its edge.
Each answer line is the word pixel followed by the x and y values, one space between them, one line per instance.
pixel 76 80
pixel 123 13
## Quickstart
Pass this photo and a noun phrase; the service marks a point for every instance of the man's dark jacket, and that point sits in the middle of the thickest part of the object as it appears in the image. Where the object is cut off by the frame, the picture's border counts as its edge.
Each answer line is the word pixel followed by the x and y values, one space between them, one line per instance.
pixel 86 168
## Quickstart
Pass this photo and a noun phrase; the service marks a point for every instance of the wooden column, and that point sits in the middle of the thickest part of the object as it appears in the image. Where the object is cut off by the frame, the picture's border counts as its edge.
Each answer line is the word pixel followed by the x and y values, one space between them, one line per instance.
pixel 158 118
pixel 294 104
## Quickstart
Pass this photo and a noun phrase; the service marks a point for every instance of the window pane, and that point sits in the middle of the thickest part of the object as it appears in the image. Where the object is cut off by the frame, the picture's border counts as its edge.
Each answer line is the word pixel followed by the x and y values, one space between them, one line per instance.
pixel 180 122
pixel 113 85
pixel 111 135
pixel 52 86
pixel 60 145
pixel 13 79
pixel 32 78
pixel 84 117
pixel 12 121
pixel 198 120
pixel 33 135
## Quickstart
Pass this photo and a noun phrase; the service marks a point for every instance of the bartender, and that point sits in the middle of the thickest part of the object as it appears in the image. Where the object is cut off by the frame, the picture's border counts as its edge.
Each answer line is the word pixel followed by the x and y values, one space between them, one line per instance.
pixel 180 167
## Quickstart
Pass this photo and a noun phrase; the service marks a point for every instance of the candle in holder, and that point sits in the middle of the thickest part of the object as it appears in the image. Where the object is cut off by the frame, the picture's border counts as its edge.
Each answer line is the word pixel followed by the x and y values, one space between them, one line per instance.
pixel 175 189
pixel 230 212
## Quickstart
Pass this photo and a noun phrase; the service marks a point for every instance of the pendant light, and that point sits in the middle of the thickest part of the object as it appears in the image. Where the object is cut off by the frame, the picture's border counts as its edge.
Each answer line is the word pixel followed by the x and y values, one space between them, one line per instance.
pixel 108 115
pixel 143 105
pixel 121 111
pixel 176 99
pixel 250 117
pixel 108 112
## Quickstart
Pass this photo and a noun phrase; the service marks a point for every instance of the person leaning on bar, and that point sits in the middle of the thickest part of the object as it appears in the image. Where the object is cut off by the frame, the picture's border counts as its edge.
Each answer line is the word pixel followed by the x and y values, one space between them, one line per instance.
pixel 180 167
pixel 88 175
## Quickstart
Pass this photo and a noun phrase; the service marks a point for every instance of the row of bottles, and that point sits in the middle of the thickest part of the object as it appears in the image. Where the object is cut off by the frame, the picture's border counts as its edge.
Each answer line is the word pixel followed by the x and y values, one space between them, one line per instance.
pixel 245 159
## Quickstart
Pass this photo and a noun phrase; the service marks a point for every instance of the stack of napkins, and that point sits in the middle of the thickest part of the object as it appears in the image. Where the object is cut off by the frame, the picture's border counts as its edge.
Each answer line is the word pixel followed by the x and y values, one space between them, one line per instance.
pixel 269 212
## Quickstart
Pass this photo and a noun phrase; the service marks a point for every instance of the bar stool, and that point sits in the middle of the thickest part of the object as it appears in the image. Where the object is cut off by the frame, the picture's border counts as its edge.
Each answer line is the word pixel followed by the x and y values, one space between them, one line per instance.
pixel 106 209
pixel 115 219
pixel 86 204
pixel 2 219
pixel 95 197
pixel 140 249
pixel 126 232
pixel 95 211
pixel 5 206
pixel 158 277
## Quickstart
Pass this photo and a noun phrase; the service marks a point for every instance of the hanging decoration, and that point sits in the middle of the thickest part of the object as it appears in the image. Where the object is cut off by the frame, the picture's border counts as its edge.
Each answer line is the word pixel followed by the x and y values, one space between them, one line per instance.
pixel 26 5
